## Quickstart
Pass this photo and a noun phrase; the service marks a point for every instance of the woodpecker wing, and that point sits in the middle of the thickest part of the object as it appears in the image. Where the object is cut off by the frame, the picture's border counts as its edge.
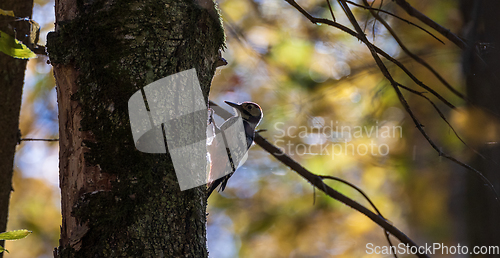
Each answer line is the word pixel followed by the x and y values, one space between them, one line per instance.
pixel 216 153
pixel 237 135
pixel 227 150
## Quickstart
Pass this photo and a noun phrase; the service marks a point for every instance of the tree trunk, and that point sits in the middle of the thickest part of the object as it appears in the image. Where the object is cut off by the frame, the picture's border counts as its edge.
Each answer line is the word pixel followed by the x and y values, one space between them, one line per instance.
pixel 117 201
pixel 11 87
pixel 481 65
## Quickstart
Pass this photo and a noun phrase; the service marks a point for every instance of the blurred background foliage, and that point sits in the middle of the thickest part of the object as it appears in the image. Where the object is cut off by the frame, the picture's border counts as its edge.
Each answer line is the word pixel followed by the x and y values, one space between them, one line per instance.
pixel 302 75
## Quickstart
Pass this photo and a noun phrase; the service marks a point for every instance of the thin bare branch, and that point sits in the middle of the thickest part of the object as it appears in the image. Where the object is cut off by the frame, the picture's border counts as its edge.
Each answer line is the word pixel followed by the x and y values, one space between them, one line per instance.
pixel 429 22
pixel 395 16
pixel 426 65
pixel 375 22
pixel 442 117
pixel 448 34
pixel 317 181
pixel 377 50
pixel 409 53
pixel 413 77
pixel 42 140
pixel 403 101
pixel 368 199
pixel 331 10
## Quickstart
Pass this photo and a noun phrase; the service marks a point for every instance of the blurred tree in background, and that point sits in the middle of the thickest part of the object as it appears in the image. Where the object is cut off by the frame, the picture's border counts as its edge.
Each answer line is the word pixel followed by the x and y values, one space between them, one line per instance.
pixel 481 67
pixel 314 76
pixel 11 81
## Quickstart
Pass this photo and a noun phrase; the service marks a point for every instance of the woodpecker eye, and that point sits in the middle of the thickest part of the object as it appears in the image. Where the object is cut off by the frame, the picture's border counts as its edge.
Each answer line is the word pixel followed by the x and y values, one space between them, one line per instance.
pixel 249 107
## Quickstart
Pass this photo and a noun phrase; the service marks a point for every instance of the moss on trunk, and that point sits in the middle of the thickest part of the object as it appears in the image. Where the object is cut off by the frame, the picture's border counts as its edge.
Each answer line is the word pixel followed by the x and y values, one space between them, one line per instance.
pixel 118 201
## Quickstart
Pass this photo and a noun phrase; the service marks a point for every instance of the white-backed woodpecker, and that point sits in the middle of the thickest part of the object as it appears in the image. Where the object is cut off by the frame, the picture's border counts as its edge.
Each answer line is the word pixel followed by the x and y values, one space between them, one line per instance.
pixel 251 114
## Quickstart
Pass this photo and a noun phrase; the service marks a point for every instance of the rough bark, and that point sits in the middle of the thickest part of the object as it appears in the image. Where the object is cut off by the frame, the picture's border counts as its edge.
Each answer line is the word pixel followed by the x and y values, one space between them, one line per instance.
pixel 481 64
pixel 11 87
pixel 117 201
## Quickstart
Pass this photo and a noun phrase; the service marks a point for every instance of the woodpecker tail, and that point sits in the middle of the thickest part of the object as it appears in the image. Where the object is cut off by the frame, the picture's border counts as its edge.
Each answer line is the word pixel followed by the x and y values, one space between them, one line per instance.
pixel 221 181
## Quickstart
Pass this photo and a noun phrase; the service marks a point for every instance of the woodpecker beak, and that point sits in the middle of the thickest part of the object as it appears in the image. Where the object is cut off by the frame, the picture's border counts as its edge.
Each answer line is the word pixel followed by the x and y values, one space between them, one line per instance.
pixel 234 105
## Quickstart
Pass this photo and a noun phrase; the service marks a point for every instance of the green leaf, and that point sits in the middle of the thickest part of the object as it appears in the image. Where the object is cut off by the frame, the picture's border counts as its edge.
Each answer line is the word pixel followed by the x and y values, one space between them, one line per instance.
pixel 15 234
pixel 3 249
pixel 14 47
pixel 7 13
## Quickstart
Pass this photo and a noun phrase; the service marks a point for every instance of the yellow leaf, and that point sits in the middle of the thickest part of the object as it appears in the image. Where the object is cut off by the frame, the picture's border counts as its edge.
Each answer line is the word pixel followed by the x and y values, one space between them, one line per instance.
pixel 15 234
pixel 13 47
pixel 7 13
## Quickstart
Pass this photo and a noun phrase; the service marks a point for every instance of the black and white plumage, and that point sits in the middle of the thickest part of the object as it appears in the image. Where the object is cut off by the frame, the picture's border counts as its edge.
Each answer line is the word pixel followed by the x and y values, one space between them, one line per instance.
pixel 251 114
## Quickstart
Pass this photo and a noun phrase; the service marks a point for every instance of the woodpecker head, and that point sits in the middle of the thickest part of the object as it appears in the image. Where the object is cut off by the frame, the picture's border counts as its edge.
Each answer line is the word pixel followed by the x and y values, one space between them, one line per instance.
pixel 250 112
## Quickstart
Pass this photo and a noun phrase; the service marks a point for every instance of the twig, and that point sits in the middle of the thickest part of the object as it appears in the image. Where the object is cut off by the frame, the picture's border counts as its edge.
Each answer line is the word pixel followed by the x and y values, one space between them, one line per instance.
pixel 436 74
pixel 331 11
pixel 318 183
pixel 403 101
pixel 39 50
pixel 429 22
pixel 413 77
pixel 409 53
pixel 368 199
pixel 395 16
pixel 374 51
pixel 375 23
pixel 42 140
pixel 377 50
pixel 442 117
